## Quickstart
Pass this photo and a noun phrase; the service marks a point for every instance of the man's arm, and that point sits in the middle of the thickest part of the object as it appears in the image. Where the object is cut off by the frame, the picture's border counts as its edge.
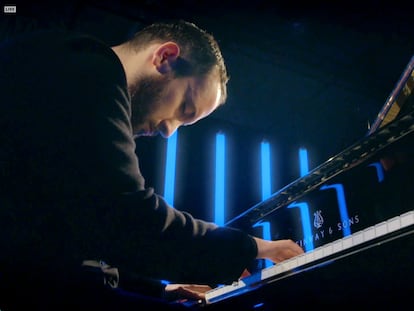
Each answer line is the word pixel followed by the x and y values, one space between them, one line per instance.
pixel 276 251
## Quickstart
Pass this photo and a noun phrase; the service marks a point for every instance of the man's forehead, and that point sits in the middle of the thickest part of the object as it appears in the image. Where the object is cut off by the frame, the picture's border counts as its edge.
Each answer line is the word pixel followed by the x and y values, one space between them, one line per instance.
pixel 206 95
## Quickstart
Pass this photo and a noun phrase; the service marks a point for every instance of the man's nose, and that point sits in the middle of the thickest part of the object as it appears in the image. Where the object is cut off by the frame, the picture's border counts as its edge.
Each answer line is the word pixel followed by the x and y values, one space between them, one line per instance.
pixel 170 127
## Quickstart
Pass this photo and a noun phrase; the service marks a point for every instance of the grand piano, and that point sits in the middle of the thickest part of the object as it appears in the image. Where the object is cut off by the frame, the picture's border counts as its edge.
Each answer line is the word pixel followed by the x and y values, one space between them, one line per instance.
pixel 354 217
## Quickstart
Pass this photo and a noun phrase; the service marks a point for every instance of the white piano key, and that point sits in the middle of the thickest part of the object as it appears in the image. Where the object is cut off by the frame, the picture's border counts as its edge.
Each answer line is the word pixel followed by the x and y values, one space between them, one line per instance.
pixel 267 273
pixel 218 291
pixel 369 234
pixel 407 219
pixel 282 268
pixel 327 250
pixel 394 224
pixel 291 263
pixel 381 229
pixel 318 253
pixel 347 242
pixel 227 289
pixel 233 287
pixel 241 283
pixel 301 259
pixel 309 257
pixel 358 238
pixel 278 269
pixel 337 246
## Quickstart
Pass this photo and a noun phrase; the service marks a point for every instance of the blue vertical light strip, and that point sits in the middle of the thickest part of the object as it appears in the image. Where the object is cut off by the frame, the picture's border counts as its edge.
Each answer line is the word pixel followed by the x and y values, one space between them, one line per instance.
pixel 266 190
pixel 266 235
pixel 266 229
pixel 169 181
pixel 379 169
pixel 343 209
pixel 220 181
pixel 265 166
pixel 303 206
pixel 303 161
pixel 306 224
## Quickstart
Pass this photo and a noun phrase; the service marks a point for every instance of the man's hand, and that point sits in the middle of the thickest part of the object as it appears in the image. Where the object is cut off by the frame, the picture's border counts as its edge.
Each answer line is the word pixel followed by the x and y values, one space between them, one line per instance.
pixel 187 291
pixel 277 251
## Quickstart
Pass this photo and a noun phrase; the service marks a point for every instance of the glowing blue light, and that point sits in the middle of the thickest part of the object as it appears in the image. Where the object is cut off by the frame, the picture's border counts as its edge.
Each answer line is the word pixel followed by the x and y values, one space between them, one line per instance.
pixel 343 210
pixel 266 236
pixel 266 181
pixel 303 161
pixel 306 226
pixel 258 305
pixel 266 192
pixel 220 179
pixel 303 206
pixel 379 170
pixel 169 181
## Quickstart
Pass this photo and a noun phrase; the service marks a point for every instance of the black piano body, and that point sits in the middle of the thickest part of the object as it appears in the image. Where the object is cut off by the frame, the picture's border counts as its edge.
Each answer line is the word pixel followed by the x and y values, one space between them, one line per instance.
pixel 354 217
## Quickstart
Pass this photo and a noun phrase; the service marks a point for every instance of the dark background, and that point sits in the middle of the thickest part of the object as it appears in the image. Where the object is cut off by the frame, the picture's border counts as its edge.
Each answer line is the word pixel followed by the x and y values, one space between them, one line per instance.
pixel 312 76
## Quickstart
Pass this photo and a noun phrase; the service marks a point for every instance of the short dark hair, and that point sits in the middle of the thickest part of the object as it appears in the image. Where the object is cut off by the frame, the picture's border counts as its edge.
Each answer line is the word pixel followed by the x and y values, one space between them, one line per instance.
pixel 199 51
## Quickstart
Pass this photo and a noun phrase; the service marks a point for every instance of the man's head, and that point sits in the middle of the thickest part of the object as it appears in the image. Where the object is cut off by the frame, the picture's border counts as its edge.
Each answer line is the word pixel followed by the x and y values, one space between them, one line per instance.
pixel 183 77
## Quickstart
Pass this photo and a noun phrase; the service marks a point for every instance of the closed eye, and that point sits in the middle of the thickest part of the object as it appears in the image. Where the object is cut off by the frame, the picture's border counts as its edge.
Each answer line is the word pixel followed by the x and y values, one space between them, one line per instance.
pixel 187 113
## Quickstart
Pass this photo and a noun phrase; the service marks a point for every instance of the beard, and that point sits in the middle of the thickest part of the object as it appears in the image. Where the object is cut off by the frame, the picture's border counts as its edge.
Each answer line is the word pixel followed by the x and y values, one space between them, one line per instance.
pixel 146 96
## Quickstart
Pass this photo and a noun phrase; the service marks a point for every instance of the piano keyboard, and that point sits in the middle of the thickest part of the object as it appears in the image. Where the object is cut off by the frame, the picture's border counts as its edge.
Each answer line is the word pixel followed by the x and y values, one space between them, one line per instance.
pixel 324 253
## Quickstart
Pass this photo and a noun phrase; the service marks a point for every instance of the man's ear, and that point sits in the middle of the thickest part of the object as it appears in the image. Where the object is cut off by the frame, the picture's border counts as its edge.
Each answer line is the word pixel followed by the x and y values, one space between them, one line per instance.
pixel 165 56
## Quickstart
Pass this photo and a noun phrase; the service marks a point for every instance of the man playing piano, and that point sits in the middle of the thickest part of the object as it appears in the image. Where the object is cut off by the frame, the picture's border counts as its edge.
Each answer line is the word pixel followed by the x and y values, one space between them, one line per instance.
pixel 78 225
